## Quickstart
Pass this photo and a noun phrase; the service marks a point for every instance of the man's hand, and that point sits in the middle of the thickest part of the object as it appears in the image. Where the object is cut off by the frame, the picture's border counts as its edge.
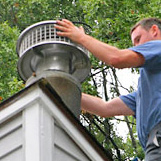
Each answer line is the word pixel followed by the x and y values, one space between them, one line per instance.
pixel 68 29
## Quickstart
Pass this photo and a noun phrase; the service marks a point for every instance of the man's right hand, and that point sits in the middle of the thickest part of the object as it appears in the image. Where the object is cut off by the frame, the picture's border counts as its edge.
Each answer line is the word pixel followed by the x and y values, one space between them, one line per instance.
pixel 68 29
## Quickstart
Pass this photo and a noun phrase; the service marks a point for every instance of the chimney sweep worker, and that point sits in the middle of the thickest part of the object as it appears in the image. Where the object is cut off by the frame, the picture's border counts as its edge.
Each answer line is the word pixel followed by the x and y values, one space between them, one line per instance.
pixel 145 103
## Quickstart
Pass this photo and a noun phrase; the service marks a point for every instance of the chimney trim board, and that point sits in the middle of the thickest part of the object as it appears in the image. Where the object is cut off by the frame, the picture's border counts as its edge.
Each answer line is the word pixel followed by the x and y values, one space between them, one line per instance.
pixel 74 133
pixel 19 104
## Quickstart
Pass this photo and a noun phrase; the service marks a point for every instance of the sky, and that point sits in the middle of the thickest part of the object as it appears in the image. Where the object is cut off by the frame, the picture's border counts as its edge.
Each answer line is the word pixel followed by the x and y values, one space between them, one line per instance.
pixel 127 79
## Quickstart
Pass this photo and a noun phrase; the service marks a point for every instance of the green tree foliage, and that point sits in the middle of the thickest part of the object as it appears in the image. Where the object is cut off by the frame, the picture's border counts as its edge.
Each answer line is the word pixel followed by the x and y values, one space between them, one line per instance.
pixel 9 83
pixel 110 22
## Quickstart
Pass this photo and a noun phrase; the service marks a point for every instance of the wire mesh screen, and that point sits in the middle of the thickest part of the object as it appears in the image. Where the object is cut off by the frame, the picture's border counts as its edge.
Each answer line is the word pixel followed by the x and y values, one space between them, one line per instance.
pixel 43 33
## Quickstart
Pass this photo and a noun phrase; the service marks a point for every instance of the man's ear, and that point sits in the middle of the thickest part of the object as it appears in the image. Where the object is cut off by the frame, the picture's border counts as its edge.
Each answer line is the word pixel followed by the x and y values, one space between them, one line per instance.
pixel 155 30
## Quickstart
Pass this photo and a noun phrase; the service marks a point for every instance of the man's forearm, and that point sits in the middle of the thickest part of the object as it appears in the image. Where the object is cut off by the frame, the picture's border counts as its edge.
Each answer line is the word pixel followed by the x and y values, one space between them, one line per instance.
pixel 92 104
pixel 111 55
pixel 99 107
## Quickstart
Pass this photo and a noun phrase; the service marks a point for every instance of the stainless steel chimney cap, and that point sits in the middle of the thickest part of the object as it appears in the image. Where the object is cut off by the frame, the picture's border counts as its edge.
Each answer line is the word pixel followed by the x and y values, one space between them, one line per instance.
pixel 39 41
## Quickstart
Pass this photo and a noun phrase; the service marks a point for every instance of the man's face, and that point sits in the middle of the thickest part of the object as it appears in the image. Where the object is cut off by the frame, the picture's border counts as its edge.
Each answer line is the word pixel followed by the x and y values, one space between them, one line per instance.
pixel 140 36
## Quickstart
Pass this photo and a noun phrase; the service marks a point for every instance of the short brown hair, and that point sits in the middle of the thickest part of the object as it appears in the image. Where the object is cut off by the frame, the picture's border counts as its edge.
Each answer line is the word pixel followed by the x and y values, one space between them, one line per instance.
pixel 147 23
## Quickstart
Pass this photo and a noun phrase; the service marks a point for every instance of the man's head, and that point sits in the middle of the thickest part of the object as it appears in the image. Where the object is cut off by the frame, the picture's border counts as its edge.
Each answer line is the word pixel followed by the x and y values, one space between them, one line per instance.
pixel 146 30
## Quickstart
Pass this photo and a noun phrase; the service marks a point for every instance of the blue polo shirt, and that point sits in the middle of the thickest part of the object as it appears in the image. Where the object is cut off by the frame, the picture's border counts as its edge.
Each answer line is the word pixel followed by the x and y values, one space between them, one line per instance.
pixel 146 101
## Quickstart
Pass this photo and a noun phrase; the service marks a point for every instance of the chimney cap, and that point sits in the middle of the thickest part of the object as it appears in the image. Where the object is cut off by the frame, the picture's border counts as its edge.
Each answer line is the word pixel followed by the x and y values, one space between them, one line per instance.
pixel 37 40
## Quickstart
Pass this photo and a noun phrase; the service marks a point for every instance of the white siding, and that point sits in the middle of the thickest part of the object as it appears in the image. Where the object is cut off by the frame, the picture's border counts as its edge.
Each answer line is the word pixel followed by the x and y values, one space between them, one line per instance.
pixel 65 147
pixel 11 139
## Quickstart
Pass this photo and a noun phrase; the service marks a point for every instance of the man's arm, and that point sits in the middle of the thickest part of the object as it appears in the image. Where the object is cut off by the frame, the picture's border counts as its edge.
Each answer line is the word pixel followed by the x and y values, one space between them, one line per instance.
pixel 104 52
pixel 97 106
pixel 108 54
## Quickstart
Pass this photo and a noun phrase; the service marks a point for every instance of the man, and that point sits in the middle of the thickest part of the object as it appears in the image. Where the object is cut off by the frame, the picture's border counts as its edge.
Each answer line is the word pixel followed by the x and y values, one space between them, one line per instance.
pixel 145 103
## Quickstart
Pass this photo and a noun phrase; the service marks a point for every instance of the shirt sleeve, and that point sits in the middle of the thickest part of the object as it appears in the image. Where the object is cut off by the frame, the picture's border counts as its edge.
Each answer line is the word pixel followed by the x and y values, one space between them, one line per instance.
pixel 151 51
pixel 130 101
